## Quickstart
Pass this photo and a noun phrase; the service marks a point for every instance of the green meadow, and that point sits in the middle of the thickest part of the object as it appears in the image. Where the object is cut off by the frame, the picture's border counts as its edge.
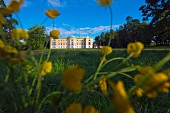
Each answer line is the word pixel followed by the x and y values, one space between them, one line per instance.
pixel 89 60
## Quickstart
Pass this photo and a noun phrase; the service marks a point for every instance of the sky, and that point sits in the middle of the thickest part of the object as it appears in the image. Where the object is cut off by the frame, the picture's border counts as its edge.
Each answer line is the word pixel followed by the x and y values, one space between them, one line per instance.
pixel 77 17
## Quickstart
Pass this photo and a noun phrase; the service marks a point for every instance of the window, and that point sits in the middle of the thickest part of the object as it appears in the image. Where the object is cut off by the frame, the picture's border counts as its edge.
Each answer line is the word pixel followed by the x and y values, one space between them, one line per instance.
pixel 54 42
pixel 89 43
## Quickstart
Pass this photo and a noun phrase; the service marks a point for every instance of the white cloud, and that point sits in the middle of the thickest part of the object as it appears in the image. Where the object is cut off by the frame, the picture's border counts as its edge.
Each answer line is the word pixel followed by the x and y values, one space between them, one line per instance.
pixel 82 31
pixel 57 3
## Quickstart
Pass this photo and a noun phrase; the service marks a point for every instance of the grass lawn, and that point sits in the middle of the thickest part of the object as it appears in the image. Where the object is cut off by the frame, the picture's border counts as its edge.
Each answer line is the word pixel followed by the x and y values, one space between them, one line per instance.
pixel 89 60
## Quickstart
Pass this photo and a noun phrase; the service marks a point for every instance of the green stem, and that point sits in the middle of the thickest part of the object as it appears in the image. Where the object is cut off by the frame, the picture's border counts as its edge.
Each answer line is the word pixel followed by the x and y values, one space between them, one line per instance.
pixel 123 61
pixel 118 58
pixel 99 67
pixel 45 98
pixel 159 64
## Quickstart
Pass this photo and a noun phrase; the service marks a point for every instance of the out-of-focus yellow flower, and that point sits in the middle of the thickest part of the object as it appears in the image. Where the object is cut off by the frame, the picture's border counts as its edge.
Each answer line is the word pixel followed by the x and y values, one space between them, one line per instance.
pixel 10 49
pixel 46 68
pixel 14 6
pixel 139 92
pixel 103 85
pixel 74 108
pixel 103 59
pixel 148 69
pixel 54 34
pixel 2 45
pixel 90 109
pixel 23 43
pixel 106 50
pixel 52 13
pixel 157 82
pixel 120 98
pixel 2 20
pixel 77 108
pixel 104 2
pixel 71 78
pixel 19 34
pixel 135 48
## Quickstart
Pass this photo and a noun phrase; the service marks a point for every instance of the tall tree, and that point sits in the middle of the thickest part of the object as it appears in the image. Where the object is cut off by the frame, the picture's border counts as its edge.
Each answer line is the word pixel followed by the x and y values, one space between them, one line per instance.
pixel 10 23
pixel 37 37
pixel 159 13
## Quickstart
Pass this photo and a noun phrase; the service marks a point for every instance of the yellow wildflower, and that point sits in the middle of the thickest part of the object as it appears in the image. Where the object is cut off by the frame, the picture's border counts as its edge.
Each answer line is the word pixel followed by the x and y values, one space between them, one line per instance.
pixel 157 82
pixel 19 34
pixel 74 108
pixel 71 78
pixel 139 92
pixel 104 2
pixel 135 48
pixel 120 98
pixel 54 34
pixel 53 13
pixel 106 50
pixel 103 85
pixel 2 45
pixel 90 109
pixel 14 6
pixel 46 68
pixel 2 20
pixel 77 108
pixel 23 43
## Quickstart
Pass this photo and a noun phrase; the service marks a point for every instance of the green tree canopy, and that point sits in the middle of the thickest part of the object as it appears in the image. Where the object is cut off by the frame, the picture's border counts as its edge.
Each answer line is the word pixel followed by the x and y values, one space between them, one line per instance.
pixel 37 37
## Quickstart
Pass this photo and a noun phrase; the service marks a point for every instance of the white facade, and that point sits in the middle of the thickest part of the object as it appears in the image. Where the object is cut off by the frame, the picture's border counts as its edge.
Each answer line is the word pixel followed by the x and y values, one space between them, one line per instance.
pixel 71 42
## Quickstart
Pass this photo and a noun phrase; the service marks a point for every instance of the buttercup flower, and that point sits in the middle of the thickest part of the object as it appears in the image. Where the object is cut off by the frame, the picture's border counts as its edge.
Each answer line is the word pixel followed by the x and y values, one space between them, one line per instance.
pixel 106 50
pixel 54 34
pixel 135 48
pixel 14 6
pixel 2 20
pixel 104 2
pixel 77 108
pixel 19 34
pixel 74 108
pixel 71 78
pixel 157 82
pixel 46 68
pixel 103 85
pixel 90 109
pixel 2 45
pixel 53 13
pixel 120 98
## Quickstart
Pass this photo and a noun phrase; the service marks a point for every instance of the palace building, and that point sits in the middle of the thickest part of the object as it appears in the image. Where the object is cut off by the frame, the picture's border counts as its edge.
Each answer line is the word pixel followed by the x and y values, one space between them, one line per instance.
pixel 71 42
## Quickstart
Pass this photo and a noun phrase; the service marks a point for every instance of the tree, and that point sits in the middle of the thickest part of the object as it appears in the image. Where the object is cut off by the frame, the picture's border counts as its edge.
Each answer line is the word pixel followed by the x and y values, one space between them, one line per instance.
pixel 10 23
pixel 37 37
pixel 159 13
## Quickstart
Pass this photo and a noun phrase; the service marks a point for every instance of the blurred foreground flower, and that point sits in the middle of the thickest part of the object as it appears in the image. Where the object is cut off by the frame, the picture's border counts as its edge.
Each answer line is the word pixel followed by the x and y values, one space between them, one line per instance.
pixel 46 68
pixel 14 6
pixel 155 82
pixel 19 34
pixel 120 98
pixel 106 50
pixel 52 13
pixel 103 85
pixel 104 2
pixel 54 34
pixel 77 108
pixel 135 48
pixel 71 78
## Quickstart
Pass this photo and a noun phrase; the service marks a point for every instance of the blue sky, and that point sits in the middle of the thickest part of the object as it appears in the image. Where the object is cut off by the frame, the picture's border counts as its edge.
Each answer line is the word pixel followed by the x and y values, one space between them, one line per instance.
pixel 78 17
